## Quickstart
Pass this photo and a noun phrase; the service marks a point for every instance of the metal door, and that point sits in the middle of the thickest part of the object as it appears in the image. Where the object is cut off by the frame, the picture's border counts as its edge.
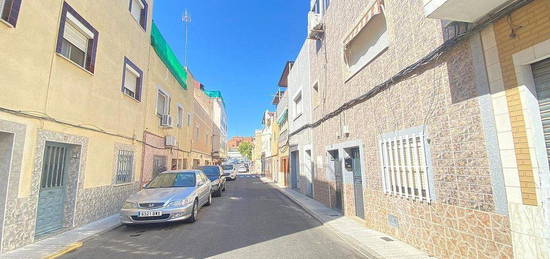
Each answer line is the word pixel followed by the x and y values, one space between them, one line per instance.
pixel 541 73
pixel 357 183
pixel 50 212
pixel 337 166
pixel 295 169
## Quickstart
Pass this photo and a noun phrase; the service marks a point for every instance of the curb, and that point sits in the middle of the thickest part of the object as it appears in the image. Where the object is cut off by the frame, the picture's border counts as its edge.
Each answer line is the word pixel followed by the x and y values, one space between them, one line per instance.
pixel 65 250
pixel 367 252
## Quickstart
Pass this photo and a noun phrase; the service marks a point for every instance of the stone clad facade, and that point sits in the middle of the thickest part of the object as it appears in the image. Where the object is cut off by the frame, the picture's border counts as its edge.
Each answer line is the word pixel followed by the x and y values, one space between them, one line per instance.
pixel 467 216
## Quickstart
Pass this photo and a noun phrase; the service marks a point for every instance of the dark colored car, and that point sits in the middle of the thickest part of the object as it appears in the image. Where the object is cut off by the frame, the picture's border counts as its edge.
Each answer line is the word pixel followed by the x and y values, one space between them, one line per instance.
pixel 217 180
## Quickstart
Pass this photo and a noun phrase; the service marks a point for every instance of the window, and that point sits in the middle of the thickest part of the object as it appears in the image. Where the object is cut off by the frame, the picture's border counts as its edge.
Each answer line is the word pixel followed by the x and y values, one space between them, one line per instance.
pixel 298 105
pixel 197 133
pixel 9 11
pixel 124 168
pixel 189 119
pixel 180 116
pixel 163 103
pixel 132 79
pixel 138 9
pixel 77 39
pixel 406 171
pixel 365 43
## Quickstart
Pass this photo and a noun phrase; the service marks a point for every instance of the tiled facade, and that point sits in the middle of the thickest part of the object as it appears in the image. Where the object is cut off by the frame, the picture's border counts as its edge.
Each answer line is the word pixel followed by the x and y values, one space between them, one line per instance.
pixel 466 217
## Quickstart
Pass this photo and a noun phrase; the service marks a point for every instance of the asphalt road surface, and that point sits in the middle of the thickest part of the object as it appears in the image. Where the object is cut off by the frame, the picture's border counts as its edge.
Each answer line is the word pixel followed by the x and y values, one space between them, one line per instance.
pixel 250 220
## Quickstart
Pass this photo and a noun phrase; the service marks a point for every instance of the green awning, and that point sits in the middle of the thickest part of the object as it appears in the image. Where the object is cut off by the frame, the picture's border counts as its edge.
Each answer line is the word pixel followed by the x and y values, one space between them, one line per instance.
pixel 214 94
pixel 168 57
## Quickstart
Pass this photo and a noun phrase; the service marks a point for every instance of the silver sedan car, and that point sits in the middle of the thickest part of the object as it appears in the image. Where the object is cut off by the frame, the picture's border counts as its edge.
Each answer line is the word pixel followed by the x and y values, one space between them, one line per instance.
pixel 171 196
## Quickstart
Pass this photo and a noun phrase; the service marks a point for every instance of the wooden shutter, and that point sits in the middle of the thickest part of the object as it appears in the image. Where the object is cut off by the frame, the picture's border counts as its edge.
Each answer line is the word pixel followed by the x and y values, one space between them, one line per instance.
pixel 10 13
pixel 541 73
pixel 143 18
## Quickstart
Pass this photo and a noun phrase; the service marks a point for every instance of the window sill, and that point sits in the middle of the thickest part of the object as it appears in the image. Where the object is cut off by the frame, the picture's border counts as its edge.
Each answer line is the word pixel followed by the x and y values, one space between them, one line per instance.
pixel 129 96
pixel 122 184
pixel 351 75
pixel 7 24
pixel 74 63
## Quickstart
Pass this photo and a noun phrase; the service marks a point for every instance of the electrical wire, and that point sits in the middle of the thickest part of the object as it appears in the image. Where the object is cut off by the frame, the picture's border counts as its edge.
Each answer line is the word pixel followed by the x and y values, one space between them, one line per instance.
pixel 416 67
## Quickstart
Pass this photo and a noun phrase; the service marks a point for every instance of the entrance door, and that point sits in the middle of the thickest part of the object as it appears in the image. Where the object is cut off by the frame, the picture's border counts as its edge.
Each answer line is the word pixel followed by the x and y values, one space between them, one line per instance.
pixel 357 183
pixel 51 200
pixel 337 166
pixel 541 73
pixel 294 168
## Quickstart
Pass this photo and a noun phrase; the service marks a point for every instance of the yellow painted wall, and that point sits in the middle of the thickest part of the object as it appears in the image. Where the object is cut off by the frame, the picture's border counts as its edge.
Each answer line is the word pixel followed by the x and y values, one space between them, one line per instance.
pixel 160 77
pixel 35 78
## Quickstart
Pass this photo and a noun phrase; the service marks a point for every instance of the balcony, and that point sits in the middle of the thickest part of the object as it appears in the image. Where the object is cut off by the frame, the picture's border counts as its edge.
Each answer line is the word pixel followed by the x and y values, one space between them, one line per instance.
pixel 314 25
pixel 461 10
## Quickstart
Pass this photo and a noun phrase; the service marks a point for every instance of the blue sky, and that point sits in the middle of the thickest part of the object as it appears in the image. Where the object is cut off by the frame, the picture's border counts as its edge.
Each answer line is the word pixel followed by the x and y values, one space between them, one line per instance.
pixel 239 47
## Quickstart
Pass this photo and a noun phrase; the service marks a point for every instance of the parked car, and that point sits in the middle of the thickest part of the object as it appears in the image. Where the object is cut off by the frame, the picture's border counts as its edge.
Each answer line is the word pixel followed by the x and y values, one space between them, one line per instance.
pixel 242 168
pixel 217 180
pixel 170 196
pixel 229 172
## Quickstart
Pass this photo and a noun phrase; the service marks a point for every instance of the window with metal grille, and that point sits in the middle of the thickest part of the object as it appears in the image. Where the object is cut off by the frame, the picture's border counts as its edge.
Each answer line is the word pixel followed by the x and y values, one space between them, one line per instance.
pixel 124 169
pixel 406 171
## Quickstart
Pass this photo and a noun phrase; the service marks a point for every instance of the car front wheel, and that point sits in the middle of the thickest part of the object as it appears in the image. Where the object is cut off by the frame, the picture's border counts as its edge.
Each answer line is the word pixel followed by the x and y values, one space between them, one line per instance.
pixel 194 212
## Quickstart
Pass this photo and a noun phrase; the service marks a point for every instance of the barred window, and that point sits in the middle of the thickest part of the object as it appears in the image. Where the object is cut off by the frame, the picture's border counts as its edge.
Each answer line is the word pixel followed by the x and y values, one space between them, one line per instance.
pixel 124 169
pixel 405 169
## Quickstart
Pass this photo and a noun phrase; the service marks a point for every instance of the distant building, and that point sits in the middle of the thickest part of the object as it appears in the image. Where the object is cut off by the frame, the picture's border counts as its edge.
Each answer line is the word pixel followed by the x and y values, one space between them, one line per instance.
pixel 234 142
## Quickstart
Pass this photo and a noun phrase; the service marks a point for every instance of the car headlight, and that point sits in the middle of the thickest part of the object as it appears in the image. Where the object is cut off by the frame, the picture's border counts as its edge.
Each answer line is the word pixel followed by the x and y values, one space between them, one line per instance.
pixel 129 205
pixel 181 203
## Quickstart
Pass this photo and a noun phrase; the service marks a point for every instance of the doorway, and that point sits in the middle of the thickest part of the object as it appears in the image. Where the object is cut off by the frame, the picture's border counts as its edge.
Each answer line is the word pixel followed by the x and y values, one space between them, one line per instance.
pixel 310 173
pixel 52 194
pixel 336 164
pixel 6 151
pixel 355 157
pixel 294 168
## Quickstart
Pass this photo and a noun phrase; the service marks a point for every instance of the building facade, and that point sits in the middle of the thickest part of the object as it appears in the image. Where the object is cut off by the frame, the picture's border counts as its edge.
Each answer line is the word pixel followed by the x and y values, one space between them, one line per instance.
pixel 300 114
pixel 235 142
pixel 71 119
pixel 89 110
pixel 429 120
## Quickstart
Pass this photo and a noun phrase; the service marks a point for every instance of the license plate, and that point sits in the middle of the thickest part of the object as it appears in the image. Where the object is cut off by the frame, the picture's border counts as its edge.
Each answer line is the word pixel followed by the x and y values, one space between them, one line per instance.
pixel 149 213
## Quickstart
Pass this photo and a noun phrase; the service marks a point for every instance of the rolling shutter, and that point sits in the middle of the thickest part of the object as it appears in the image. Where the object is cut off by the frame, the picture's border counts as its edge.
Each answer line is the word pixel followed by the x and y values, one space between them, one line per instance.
pixel 131 81
pixel 136 10
pixel 74 36
pixel 541 73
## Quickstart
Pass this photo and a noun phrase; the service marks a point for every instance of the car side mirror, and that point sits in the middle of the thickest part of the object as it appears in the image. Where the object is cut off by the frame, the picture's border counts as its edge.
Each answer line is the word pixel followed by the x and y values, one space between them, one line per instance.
pixel 144 185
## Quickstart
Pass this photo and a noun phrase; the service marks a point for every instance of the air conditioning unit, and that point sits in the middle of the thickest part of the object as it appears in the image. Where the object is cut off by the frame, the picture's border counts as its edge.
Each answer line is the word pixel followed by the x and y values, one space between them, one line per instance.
pixel 170 141
pixel 345 131
pixel 166 121
pixel 314 25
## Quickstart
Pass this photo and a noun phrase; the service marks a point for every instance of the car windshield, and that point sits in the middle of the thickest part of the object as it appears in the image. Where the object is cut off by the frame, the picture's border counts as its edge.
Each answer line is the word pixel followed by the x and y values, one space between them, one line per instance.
pixel 227 167
pixel 213 172
pixel 171 180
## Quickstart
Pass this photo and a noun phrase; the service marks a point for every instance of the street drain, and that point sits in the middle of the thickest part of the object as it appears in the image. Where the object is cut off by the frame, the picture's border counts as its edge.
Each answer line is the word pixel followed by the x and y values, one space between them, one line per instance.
pixel 386 239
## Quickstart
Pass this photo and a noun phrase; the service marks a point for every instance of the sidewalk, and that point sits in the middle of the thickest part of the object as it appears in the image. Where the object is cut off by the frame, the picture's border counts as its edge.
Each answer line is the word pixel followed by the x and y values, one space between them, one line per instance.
pixel 58 244
pixel 367 241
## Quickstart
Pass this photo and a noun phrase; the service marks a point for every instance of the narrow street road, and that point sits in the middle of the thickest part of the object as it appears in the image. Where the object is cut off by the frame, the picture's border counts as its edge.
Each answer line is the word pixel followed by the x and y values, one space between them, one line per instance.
pixel 250 220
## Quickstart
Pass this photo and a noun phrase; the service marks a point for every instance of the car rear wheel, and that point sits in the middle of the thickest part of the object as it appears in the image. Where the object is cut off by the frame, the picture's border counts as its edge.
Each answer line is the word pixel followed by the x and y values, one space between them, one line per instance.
pixel 223 190
pixel 218 193
pixel 194 212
